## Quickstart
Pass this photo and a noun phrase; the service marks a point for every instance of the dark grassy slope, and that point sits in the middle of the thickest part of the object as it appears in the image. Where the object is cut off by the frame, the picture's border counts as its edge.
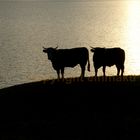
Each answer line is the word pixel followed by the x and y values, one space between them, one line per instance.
pixel 72 109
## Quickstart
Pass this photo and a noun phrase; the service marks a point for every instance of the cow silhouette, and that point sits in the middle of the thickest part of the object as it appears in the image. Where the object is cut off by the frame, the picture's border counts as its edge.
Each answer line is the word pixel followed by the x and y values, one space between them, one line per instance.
pixel 103 57
pixel 62 58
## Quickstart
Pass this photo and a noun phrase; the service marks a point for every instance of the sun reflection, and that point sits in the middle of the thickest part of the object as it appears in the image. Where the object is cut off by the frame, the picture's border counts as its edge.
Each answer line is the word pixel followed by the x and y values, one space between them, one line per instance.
pixel 133 37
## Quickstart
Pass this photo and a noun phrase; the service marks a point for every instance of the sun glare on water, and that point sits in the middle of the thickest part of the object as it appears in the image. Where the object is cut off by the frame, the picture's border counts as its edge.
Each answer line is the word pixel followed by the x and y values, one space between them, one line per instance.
pixel 133 37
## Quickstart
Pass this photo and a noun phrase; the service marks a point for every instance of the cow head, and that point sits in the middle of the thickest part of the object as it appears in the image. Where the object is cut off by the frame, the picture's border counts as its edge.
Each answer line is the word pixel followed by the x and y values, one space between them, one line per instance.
pixel 50 52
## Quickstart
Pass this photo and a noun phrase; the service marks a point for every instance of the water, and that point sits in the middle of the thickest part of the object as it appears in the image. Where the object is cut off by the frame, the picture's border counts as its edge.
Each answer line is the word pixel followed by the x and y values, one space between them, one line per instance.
pixel 27 26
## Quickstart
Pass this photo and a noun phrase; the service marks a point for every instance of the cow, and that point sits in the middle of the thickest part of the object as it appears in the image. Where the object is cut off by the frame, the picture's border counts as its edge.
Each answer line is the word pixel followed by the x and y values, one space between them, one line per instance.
pixel 62 58
pixel 108 57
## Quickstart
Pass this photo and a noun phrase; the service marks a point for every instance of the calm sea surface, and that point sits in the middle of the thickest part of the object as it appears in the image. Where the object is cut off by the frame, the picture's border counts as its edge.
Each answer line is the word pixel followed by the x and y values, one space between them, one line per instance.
pixel 27 26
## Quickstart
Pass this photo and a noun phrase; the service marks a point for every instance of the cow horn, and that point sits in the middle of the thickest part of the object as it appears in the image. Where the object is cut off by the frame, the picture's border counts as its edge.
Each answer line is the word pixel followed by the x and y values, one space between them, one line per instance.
pixel 44 47
pixel 56 47
pixel 92 47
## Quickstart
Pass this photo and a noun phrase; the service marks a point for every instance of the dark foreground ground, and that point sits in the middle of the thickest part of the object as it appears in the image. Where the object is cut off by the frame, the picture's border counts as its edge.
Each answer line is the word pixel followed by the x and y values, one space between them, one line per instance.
pixel 74 109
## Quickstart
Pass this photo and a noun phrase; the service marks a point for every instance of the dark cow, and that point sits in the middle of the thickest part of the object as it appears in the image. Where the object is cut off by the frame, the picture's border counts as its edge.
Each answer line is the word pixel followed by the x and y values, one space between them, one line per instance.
pixel 62 58
pixel 108 57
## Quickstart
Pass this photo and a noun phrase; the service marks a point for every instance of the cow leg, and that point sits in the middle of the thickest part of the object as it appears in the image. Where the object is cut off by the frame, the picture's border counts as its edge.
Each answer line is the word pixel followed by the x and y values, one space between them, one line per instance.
pixel 58 73
pixel 104 70
pixel 62 73
pixel 82 71
pixel 122 70
pixel 96 70
pixel 118 70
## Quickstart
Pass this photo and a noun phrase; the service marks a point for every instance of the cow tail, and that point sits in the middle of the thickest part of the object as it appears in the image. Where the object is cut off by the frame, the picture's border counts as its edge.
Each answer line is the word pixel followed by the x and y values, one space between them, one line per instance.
pixel 88 67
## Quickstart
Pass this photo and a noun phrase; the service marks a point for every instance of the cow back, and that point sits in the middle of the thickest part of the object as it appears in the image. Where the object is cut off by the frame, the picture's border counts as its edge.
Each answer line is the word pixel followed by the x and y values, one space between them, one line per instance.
pixel 71 57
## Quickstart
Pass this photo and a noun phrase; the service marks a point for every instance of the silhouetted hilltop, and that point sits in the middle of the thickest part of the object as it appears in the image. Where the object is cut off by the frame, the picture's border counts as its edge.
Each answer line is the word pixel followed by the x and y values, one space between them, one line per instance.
pixel 93 83
pixel 72 109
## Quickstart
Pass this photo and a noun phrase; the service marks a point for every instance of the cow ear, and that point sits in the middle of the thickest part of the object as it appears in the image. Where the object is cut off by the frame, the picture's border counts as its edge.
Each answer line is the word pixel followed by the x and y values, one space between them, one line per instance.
pixel 92 50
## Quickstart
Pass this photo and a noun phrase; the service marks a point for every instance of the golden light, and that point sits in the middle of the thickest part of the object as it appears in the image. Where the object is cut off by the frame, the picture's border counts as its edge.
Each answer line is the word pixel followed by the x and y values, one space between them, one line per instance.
pixel 133 37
